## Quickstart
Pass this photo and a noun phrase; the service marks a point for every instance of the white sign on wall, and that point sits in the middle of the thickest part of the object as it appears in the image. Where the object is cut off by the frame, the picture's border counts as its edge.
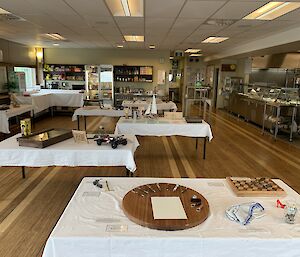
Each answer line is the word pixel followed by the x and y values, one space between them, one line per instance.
pixel 161 77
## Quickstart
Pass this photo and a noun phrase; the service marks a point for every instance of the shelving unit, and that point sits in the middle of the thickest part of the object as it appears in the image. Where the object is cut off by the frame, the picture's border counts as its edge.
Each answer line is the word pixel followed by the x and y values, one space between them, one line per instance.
pixel 60 76
pixel 133 74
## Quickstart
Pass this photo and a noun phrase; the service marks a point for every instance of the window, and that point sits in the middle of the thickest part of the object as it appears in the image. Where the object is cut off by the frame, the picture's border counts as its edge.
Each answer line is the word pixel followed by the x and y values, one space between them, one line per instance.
pixel 30 77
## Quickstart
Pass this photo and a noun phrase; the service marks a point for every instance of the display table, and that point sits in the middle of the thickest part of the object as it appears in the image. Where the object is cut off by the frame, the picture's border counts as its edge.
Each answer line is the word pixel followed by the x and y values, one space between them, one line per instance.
pixel 82 229
pixel 161 106
pixel 68 153
pixel 165 127
pixel 95 111
pixel 47 98
pixel 12 112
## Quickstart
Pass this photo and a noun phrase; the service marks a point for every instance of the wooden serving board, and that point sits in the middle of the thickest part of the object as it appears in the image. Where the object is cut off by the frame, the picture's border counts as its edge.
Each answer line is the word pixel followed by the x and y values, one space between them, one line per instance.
pixel 45 138
pixel 139 209
pixel 254 187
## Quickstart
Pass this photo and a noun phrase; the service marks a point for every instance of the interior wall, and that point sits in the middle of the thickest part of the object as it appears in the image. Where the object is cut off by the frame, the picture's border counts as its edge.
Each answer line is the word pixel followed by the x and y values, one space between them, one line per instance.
pixel 156 58
pixel 17 54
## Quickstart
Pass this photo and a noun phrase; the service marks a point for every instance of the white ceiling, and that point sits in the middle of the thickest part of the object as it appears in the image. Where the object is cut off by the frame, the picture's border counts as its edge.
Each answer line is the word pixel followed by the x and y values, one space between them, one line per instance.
pixel 169 24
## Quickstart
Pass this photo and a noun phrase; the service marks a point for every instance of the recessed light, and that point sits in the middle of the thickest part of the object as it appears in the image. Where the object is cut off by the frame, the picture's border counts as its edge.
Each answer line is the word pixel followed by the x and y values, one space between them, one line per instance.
pixel 272 10
pixel 131 38
pixel 56 44
pixel 120 46
pixel 214 40
pixel 130 8
pixel 171 57
pixel 192 51
pixel 151 46
pixel 195 55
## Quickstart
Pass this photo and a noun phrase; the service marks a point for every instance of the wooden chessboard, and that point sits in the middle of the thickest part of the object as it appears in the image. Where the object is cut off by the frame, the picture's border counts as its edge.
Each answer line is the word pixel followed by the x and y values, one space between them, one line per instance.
pixel 254 187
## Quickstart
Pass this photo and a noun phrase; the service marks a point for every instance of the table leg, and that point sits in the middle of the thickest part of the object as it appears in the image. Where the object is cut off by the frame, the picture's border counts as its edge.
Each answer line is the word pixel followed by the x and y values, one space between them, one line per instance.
pixel 78 122
pixel 23 172
pixel 127 172
pixel 85 123
pixel 277 122
pixel 32 118
pixel 292 122
pixel 196 143
pixel 204 148
pixel 264 118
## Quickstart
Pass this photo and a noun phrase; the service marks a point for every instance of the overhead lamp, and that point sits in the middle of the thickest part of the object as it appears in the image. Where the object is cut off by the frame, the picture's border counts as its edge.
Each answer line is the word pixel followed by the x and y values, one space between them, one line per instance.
pixel 54 36
pixel 195 55
pixel 214 40
pixel 56 44
pixel 272 10
pixel 192 51
pixel 120 46
pixel 2 11
pixel 151 46
pixel 131 8
pixel 132 38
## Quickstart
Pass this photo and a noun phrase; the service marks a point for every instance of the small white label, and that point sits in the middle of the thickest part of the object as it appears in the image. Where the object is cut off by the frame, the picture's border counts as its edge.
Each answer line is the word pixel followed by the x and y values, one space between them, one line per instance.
pixel 116 228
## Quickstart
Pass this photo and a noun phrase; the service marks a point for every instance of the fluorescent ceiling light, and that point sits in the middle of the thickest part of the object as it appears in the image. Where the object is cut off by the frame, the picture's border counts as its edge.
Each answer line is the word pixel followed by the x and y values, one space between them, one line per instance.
pixel 133 8
pixel 120 46
pixel 272 10
pixel 2 11
pixel 56 44
pixel 192 51
pixel 134 38
pixel 195 55
pixel 54 36
pixel 152 46
pixel 214 40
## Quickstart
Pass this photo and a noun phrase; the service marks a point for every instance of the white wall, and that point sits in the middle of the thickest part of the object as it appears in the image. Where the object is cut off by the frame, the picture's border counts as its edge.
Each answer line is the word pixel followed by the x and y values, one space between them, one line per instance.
pixel 156 58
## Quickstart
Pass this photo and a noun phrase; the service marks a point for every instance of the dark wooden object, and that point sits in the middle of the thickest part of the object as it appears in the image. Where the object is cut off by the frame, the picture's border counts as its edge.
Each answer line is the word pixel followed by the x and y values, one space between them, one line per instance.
pixel 139 209
pixel 45 138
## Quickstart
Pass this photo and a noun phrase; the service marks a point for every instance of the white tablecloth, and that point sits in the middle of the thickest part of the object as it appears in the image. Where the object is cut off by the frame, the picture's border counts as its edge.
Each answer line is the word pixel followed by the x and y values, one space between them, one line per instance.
pixel 163 127
pixel 46 98
pixel 96 111
pixel 81 230
pixel 12 112
pixel 68 153
pixel 161 106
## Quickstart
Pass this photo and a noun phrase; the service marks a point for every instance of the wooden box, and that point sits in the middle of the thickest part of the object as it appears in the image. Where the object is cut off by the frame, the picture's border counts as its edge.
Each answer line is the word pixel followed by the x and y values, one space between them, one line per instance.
pixel 45 138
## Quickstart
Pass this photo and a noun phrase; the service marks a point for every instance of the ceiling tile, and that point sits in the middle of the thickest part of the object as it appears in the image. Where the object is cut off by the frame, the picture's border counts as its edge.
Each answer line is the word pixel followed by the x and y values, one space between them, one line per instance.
pixel 163 8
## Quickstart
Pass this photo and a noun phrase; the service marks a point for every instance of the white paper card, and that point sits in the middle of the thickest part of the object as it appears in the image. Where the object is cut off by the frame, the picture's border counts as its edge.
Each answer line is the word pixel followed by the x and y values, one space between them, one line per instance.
pixel 116 228
pixel 167 208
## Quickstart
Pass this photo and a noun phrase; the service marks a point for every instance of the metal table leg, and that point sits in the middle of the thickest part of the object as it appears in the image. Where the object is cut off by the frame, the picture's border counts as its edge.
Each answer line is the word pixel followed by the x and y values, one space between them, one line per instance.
pixel 293 120
pixel 277 122
pixel 264 118
pixel 84 123
pixel 196 142
pixel 78 122
pixel 204 148
pixel 23 172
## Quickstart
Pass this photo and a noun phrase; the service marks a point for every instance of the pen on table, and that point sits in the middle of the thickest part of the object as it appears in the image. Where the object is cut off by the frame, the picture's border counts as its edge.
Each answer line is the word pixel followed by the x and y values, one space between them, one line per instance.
pixel 107 186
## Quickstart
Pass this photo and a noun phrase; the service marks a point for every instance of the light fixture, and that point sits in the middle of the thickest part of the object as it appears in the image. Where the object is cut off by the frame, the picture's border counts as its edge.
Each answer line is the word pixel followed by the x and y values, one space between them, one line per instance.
pixel 54 36
pixel 2 11
pixel 214 40
pixel 131 38
pixel 56 44
pixel 120 46
pixel 151 46
pixel 171 57
pixel 133 8
pixel 39 54
pixel 272 10
pixel 192 51
pixel 195 55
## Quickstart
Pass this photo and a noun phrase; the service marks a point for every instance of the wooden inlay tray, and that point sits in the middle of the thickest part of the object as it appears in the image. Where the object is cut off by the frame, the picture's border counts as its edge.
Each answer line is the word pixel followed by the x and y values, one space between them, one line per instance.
pixel 138 208
pixel 255 187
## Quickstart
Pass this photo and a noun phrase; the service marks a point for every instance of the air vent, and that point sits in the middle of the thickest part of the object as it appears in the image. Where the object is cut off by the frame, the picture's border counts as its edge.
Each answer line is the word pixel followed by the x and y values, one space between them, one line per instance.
pixel 10 17
pixel 220 22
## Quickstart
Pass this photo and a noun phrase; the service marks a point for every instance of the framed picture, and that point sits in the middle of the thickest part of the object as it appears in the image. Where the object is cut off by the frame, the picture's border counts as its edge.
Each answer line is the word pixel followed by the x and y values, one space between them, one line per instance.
pixel 80 136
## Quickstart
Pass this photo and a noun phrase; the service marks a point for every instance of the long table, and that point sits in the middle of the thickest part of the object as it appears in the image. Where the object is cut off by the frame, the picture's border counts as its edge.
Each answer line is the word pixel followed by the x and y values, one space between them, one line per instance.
pixel 165 127
pixel 46 98
pixel 12 112
pixel 161 106
pixel 68 153
pixel 95 111
pixel 82 229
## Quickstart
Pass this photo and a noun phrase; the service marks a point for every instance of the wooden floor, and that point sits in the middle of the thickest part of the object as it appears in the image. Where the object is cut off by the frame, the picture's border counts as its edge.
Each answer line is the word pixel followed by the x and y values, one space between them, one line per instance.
pixel 29 208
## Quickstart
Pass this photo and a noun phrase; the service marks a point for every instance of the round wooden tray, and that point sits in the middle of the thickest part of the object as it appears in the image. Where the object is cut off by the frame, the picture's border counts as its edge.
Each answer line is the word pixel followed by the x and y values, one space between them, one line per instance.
pixel 138 208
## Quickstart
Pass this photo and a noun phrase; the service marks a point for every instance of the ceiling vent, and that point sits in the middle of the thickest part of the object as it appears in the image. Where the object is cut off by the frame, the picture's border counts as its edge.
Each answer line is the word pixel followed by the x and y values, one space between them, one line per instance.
pixel 220 22
pixel 10 17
